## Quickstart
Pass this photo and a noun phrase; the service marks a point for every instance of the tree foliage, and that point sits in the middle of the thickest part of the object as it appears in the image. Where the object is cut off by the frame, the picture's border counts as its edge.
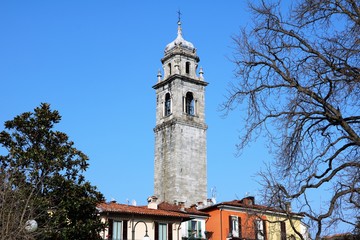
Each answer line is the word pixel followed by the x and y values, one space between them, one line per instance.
pixel 299 79
pixel 42 179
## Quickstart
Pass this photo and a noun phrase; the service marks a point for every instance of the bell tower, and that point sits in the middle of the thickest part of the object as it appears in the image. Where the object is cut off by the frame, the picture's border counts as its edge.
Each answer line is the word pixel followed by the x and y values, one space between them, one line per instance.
pixel 180 131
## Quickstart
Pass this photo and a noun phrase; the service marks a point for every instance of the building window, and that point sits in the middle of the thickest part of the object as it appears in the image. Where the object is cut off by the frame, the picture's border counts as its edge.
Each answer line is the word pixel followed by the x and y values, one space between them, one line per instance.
pixel 283 230
pixel 189 104
pixel 167 104
pixel 234 226
pixel 117 229
pixel 194 229
pixel 187 67
pixel 169 68
pixel 260 230
pixel 163 231
pixel 117 226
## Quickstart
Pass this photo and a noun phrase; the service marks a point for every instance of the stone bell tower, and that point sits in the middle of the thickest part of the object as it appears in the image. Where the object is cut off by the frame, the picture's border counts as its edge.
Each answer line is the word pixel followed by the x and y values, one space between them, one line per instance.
pixel 180 131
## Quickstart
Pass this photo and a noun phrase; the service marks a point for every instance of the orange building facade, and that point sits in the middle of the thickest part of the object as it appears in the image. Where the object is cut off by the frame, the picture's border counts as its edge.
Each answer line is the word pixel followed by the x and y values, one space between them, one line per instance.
pixel 243 219
pixel 231 220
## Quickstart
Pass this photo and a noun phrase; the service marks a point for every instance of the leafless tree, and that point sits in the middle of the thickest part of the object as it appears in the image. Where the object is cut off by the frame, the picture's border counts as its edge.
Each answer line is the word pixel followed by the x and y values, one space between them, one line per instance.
pixel 18 207
pixel 298 71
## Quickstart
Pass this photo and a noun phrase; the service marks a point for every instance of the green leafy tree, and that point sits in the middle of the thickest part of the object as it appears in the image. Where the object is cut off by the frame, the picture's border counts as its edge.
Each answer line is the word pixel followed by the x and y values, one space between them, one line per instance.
pixel 299 80
pixel 42 176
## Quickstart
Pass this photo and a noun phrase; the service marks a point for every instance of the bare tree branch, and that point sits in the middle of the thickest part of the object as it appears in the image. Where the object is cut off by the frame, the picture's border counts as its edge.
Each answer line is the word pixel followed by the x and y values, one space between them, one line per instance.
pixel 299 78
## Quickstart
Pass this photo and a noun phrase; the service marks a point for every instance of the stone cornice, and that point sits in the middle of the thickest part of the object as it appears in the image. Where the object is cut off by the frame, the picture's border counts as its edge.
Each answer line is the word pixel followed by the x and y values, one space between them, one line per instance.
pixel 180 51
pixel 182 77
pixel 175 121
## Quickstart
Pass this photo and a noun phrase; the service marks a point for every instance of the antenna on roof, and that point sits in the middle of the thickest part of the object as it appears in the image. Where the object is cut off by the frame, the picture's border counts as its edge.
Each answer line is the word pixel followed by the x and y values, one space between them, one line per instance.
pixel 213 192
pixel 213 195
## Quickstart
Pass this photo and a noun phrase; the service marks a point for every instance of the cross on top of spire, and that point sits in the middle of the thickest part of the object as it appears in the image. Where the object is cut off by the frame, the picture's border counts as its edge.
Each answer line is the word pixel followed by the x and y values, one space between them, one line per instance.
pixel 180 41
pixel 179 16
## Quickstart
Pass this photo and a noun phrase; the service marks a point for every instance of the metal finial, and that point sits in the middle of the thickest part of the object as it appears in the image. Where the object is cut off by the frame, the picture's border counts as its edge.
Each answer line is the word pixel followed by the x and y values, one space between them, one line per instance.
pixel 179 15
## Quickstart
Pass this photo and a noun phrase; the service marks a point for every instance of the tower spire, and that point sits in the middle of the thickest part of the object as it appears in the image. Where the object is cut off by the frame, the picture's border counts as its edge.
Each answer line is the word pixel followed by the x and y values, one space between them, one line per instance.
pixel 179 24
pixel 180 42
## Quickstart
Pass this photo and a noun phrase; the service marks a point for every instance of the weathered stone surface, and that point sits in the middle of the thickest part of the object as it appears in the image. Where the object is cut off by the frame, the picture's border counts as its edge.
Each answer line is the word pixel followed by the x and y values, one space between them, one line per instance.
pixel 180 138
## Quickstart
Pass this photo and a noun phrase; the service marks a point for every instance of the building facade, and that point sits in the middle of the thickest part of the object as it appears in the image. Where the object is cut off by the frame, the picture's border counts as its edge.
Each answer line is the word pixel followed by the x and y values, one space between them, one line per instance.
pixel 243 219
pixel 155 221
pixel 180 173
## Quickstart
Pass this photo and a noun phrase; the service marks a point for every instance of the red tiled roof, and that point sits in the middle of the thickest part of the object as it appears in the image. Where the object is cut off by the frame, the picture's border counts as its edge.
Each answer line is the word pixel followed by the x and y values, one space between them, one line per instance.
pixel 177 208
pixel 240 203
pixel 139 210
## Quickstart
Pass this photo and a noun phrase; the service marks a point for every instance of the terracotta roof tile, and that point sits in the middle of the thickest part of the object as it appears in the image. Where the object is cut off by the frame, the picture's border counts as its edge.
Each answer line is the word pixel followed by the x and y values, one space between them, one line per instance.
pixel 139 210
pixel 240 203
pixel 177 208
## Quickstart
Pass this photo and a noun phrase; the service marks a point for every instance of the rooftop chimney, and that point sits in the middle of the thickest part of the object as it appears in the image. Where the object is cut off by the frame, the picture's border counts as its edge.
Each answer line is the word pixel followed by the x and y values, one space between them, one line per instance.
pixel 152 202
pixel 182 206
pixel 248 200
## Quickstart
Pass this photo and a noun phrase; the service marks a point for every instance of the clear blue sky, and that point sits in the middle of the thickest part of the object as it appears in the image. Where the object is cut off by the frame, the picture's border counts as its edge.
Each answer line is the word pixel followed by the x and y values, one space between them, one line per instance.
pixel 96 62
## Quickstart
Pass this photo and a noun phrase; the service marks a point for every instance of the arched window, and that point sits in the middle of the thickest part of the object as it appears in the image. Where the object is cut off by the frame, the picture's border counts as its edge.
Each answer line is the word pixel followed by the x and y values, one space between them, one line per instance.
pixel 187 67
pixel 169 68
pixel 189 104
pixel 167 104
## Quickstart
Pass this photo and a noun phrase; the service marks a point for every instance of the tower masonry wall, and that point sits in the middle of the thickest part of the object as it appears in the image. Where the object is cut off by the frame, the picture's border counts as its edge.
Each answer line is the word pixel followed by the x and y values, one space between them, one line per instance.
pixel 180 164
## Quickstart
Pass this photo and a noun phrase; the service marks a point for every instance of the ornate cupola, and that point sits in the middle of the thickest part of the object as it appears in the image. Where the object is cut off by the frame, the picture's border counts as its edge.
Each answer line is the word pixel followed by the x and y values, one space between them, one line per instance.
pixel 180 131
pixel 180 57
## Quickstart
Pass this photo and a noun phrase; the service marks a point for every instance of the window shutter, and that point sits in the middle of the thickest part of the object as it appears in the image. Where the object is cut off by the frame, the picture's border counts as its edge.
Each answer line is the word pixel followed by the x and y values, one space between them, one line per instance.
pixel 170 232
pixel 125 230
pixel 264 229
pixel 256 230
pixel 199 229
pixel 110 232
pixel 189 230
pixel 240 230
pixel 156 231
pixel 230 225
pixel 283 230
